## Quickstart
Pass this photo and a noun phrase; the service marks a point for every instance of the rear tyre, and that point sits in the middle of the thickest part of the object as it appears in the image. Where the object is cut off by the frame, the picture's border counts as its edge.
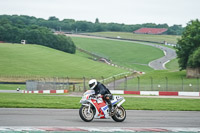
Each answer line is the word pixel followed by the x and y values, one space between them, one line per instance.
pixel 120 114
pixel 85 116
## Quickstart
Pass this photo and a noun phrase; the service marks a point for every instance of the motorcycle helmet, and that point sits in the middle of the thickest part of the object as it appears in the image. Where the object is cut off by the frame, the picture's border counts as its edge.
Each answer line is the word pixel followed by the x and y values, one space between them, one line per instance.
pixel 92 83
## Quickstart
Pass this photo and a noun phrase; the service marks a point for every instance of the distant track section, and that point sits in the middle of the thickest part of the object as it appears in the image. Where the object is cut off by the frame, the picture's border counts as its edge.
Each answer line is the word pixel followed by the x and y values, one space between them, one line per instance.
pixel 158 64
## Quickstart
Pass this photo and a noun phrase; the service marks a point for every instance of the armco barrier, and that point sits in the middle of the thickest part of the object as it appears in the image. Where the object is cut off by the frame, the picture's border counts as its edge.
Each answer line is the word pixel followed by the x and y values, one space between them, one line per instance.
pixel 117 91
pixel 132 92
pixel 189 94
pixel 153 93
pixel 166 93
pixel 156 93
pixel 46 91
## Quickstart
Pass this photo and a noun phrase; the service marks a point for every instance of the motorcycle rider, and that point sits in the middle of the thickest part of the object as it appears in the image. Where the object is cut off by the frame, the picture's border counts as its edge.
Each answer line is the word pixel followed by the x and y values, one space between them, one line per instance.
pixel 99 88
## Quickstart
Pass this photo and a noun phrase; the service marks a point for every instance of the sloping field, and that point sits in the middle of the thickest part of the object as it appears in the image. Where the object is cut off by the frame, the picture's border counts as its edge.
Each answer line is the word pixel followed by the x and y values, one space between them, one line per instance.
pixel 127 54
pixel 145 37
pixel 37 60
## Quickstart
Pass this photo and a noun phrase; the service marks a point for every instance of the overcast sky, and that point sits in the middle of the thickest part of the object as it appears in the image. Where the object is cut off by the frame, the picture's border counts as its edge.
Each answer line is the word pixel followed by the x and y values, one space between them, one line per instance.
pixel 118 11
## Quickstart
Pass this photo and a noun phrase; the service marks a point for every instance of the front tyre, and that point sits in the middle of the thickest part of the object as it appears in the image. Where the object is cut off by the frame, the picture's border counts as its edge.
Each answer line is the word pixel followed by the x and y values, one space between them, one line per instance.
pixel 85 115
pixel 120 114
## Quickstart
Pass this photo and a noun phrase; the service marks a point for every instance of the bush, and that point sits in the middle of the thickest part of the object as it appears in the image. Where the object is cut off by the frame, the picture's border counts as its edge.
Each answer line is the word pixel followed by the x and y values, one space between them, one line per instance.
pixel 33 34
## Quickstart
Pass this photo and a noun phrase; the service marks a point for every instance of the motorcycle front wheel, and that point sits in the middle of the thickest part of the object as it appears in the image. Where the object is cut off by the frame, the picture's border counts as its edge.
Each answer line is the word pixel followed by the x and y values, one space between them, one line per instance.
pixel 120 114
pixel 85 115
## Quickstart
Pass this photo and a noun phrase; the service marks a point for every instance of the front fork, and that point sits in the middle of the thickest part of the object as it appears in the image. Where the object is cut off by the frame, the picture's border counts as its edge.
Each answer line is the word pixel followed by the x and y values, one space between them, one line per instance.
pixel 118 105
pixel 89 106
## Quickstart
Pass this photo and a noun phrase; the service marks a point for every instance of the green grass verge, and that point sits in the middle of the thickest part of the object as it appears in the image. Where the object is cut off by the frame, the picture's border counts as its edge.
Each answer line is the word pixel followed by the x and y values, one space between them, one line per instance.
pixel 172 104
pixel 12 86
pixel 9 100
pixel 78 53
pixel 37 60
pixel 37 101
pixel 127 54
pixel 146 37
pixel 173 65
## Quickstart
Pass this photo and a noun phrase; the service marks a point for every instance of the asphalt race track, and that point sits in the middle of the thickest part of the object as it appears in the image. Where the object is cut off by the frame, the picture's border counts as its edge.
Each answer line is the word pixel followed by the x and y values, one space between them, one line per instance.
pixel 70 118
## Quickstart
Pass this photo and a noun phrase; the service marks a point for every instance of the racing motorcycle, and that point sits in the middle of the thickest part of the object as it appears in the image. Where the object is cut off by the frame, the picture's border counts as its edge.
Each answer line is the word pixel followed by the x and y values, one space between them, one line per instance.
pixel 96 107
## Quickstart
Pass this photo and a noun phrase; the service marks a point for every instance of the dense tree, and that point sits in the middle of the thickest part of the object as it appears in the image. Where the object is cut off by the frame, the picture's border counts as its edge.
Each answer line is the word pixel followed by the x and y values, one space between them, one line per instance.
pixel 98 27
pixel 70 25
pixel 175 30
pixel 188 46
pixel 96 21
pixel 15 31
pixel 162 26
pixel 53 18
pixel 83 26
pixel 194 59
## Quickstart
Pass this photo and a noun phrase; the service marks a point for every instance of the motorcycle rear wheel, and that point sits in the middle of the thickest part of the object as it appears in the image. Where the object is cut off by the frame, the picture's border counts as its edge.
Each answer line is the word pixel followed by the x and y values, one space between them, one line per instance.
pixel 85 116
pixel 120 114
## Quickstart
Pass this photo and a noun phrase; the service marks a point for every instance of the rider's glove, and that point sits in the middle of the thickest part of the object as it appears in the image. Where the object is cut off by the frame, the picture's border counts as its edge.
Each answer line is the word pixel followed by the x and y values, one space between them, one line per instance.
pixel 92 96
pixel 99 96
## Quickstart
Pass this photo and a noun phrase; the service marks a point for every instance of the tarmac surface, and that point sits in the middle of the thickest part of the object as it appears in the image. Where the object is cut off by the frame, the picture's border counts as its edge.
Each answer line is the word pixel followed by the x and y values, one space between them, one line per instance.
pixel 159 64
pixel 10 91
pixel 70 118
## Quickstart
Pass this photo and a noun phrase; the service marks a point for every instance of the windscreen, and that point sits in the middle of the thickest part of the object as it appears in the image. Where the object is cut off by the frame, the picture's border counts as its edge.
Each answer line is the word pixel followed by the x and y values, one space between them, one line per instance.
pixel 89 92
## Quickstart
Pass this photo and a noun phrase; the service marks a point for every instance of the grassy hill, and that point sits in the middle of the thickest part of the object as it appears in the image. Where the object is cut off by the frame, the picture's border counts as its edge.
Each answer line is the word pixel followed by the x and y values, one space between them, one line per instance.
pixel 146 37
pixel 127 54
pixel 38 60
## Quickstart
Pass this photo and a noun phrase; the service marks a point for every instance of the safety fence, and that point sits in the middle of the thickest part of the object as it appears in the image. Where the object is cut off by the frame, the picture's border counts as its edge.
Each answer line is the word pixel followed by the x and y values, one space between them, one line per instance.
pixel 132 82
pixel 67 83
pixel 156 84
pixel 120 82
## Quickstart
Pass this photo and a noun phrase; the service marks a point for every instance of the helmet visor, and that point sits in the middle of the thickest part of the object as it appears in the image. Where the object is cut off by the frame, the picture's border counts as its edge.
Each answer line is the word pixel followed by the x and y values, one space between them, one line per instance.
pixel 91 85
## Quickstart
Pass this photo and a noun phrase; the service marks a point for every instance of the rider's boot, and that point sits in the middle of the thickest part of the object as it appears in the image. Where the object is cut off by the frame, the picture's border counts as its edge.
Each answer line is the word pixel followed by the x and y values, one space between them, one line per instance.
pixel 111 109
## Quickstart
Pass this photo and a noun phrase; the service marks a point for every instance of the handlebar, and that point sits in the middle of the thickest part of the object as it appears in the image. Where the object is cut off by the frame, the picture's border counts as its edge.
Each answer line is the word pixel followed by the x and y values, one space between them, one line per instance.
pixel 95 96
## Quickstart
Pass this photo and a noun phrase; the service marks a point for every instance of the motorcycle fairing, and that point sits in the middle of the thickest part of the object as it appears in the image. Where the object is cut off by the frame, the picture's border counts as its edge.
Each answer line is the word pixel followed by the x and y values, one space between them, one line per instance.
pixel 100 111
pixel 102 108
pixel 116 99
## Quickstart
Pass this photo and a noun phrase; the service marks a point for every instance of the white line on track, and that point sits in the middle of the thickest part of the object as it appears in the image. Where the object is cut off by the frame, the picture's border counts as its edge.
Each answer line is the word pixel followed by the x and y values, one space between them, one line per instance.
pixel 165 64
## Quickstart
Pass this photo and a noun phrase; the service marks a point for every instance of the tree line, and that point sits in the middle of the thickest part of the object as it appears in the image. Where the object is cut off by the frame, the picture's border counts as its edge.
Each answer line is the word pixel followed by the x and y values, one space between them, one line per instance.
pixel 188 48
pixel 71 25
pixel 13 29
